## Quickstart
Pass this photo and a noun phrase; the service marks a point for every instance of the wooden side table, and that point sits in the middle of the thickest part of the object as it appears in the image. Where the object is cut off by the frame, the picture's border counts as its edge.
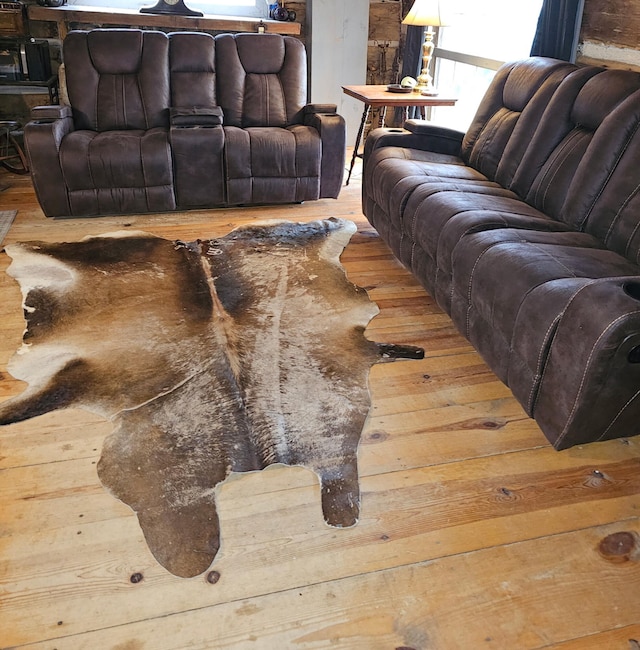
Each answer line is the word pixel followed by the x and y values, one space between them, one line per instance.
pixel 374 96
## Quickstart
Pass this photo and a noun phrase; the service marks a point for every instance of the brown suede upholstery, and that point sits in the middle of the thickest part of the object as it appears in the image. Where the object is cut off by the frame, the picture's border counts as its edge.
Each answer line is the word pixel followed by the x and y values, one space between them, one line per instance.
pixel 169 122
pixel 526 230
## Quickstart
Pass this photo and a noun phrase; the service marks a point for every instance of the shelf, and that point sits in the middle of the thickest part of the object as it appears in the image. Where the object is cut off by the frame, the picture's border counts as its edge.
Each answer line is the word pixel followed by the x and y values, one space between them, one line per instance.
pixel 30 87
pixel 133 18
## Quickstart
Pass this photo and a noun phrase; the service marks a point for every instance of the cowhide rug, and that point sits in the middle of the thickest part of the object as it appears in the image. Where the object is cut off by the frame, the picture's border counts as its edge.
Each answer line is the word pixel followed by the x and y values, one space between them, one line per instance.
pixel 210 357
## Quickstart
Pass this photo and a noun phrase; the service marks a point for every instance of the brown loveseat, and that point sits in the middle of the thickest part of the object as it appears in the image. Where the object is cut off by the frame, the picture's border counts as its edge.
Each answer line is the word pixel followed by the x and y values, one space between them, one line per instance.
pixel 526 230
pixel 161 122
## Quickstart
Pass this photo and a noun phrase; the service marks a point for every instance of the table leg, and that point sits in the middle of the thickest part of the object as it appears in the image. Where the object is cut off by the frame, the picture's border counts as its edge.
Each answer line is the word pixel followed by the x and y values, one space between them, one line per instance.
pixel 365 117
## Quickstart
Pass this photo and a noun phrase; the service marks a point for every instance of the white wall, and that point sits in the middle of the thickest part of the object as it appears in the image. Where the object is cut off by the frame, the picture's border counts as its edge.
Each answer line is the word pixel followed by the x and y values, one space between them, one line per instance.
pixel 337 46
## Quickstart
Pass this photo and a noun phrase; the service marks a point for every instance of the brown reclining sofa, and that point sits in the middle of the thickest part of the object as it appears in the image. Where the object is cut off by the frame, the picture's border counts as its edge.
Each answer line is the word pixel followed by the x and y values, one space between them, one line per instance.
pixel 526 230
pixel 161 122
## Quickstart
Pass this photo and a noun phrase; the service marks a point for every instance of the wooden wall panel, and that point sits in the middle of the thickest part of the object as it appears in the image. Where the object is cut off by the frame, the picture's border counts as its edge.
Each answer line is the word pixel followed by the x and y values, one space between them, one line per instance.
pixel 613 22
pixel 384 20
pixel 385 36
pixel 609 33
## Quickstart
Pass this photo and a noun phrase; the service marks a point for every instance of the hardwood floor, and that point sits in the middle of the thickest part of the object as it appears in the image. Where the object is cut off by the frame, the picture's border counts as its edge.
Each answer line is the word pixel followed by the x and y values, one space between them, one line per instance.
pixel 474 532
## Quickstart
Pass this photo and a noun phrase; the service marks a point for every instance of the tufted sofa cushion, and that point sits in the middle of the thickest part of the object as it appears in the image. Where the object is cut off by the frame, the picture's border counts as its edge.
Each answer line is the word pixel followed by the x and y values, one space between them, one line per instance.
pixel 119 79
pixel 117 171
pixel 261 86
pixel 192 69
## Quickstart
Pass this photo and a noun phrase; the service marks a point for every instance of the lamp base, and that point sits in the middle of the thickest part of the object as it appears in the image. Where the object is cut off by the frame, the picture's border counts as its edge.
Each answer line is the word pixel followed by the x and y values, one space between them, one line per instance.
pixel 425 86
pixel 425 80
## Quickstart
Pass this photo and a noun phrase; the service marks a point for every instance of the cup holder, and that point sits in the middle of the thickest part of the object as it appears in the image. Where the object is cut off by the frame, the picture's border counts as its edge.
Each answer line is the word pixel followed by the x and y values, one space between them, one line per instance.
pixel 402 131
pixel 632 289
pixel 634 355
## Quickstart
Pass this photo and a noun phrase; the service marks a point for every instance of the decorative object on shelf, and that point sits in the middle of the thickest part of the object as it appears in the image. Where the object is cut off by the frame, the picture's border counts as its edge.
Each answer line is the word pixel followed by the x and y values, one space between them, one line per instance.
pixel 174 7
pixel 426 13
pixel 277 11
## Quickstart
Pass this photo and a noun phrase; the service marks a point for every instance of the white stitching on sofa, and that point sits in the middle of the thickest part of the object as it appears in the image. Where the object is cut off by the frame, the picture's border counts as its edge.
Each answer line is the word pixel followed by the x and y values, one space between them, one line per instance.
pixel 609 175
pixel 618 414
pixel 540 372
pixel 584 374
pixel 558 162
pixel 617 216
pixel 473 270
pixel 476 160
pixel 537 378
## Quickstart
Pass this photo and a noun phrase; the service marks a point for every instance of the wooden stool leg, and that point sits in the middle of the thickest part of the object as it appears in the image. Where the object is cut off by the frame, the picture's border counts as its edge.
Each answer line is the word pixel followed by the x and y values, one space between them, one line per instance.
pixel 382 116
pixel 365 117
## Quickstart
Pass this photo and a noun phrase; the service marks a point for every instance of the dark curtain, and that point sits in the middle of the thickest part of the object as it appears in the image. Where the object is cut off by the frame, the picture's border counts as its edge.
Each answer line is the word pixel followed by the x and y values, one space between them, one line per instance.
pixel 558 29
pixel 411 63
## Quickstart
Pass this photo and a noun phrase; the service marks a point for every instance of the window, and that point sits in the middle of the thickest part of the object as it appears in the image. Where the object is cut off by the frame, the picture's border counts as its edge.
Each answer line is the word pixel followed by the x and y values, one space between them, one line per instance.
pixel 480 37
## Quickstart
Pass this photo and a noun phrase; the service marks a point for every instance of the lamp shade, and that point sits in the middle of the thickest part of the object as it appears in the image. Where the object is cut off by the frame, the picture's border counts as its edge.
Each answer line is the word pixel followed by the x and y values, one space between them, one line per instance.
pixel 425 12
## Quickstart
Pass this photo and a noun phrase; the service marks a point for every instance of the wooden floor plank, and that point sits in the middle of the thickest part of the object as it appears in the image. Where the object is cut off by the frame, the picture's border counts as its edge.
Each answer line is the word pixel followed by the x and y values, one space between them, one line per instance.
pixel 501 601
pixel 474 532
pixel 625 638
pixel 407 516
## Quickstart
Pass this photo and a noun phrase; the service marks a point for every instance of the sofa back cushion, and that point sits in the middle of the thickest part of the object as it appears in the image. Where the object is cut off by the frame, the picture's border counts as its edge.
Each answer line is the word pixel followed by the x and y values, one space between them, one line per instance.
pixel 117 79
pixel 262 79
pixel 192 69
pixel 604 196
pixel 555 129
pixel 576 182
pixel 508 114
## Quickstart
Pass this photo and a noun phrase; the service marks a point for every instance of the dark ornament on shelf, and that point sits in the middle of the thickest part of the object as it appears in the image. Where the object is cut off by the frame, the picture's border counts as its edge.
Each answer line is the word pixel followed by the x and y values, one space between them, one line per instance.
pixel 52 3
pixel 172 7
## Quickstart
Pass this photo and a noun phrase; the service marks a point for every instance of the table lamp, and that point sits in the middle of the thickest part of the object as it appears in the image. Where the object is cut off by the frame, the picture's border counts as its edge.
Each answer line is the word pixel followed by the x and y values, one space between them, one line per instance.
pixel 425 13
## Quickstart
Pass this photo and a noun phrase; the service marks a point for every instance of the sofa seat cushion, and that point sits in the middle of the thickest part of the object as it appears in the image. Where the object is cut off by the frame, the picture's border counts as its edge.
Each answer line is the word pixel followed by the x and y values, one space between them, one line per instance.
pixel 397 178
pixel 118 172
pixel 504 280
pixel 393 173
pixel 453 211
pixel 272 164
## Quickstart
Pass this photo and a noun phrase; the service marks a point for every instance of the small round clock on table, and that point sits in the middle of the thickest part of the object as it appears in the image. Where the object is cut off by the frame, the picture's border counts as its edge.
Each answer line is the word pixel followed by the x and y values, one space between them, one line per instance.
pixel 174 7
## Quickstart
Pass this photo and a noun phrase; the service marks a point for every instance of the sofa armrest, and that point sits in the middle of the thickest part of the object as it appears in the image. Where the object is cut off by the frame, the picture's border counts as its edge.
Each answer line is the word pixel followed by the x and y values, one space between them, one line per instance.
pixel 43 137
pixel 196 116
pixel 423 127
pixel 320 108
pixel 332 130
pixel 416 134
pixel 590 384
pixel 50 113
